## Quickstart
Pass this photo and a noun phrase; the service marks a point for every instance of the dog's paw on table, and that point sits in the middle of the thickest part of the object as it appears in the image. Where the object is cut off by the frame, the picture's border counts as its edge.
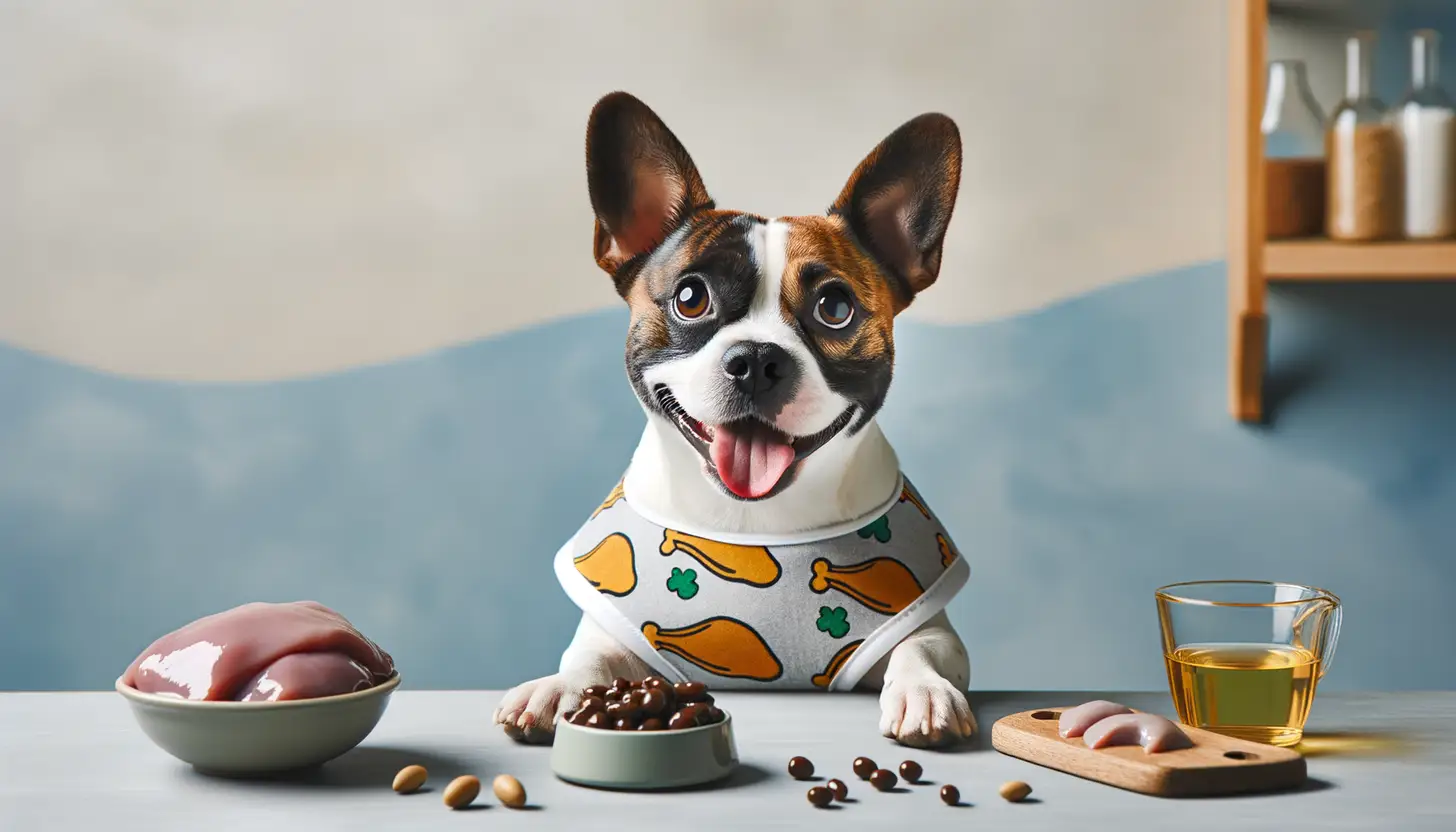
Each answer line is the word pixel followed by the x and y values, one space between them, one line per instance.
pixel 528 711
pixel 925 713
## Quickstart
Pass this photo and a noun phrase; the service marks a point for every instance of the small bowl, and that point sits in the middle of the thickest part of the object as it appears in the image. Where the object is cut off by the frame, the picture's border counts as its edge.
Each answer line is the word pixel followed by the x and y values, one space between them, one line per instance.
pixel 258 738
pixel 644 760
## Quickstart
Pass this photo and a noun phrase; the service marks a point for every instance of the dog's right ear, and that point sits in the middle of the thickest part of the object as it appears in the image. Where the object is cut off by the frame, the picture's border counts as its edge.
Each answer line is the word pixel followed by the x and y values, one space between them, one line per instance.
pixel 643 184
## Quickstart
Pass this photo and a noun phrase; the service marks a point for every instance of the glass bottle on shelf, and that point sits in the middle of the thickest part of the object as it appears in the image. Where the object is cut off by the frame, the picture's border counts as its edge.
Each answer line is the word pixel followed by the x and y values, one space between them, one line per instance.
pixel 1426 121
pixel 1365 183
pixel 1294 154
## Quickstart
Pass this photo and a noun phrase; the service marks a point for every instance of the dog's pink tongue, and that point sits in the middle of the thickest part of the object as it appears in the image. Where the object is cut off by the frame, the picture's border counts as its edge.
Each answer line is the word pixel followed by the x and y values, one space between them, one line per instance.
pixel 750 463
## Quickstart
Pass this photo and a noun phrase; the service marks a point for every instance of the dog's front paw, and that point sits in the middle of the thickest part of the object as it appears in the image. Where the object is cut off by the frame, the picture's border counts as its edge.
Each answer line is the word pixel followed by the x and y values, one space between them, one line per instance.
pixel 528 711
pixel 925 712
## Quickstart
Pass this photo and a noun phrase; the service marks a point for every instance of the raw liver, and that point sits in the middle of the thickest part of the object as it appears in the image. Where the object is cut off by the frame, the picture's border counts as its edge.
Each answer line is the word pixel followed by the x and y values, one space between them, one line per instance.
pixel 296 650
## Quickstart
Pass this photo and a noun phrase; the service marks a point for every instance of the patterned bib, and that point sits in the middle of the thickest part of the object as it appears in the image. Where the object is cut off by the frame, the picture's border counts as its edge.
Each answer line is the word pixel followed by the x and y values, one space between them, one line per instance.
pixel 804 612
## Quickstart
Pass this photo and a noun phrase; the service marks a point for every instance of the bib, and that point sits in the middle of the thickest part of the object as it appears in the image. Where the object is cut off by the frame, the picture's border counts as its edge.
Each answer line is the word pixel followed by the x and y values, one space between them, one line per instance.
pixel 816 610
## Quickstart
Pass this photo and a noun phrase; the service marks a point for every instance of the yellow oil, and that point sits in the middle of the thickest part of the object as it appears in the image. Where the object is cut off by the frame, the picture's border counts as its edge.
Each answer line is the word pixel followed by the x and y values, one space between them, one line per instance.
pixel 1259 692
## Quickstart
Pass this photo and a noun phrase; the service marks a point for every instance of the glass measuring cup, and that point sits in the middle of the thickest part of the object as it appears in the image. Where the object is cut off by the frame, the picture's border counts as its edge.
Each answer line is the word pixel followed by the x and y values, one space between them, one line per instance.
pixel 1244 657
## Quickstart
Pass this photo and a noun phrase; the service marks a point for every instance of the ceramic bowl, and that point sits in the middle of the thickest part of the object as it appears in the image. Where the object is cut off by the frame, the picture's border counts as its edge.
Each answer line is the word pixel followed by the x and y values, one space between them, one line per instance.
pixel 644 760
pixel 258 738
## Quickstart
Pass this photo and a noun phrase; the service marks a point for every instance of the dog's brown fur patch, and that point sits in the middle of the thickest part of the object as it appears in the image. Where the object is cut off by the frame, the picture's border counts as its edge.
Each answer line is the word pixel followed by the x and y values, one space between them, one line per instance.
pixel 821 248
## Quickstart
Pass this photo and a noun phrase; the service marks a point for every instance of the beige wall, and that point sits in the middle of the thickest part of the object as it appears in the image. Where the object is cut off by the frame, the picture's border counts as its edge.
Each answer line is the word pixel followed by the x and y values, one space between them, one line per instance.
pixel 272 188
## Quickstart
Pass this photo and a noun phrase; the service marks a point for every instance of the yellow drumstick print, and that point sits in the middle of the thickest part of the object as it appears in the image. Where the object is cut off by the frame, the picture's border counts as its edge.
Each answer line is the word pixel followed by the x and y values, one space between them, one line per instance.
pixel 610 567
pixel 752 565
pixel 947 551
pixel 836 664
pixel 722 646
pixel 612 498
pixel 884 585
pixel 908 496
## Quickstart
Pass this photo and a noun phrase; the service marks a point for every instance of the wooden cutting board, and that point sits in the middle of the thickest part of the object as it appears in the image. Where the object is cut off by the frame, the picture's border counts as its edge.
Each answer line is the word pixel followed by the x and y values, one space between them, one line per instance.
pixel 1215 765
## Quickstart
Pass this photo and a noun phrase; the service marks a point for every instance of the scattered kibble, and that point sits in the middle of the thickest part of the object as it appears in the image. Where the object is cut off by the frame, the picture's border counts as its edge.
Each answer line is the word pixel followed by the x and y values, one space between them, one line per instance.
pixel 864 767
pixel 462 791
pixel 1015 791
pixel 883 780
pixel 820 796
pixel 410 778
pixel 509 791
pixel 800 768
pixel 838 789
pixel 950 795
pixel 911 771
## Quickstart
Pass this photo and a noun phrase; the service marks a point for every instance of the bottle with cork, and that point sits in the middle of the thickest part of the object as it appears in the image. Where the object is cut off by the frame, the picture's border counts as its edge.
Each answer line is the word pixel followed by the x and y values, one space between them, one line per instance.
pixel 1294 154
pixel 1426 122
pixel 1365 181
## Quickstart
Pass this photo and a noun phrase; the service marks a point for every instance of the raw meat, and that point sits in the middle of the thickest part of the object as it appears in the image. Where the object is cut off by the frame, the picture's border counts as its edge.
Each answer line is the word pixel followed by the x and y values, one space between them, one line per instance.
pixel 1076 721
pixel 257 651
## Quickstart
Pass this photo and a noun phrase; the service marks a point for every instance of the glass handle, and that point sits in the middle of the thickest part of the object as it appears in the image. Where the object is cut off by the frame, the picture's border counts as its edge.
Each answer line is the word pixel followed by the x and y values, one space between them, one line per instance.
pixel 1332 636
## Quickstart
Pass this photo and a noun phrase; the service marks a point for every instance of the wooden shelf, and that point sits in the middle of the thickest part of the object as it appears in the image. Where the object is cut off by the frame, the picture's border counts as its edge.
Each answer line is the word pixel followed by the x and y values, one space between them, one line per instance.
pixel 1254 263
pixel 1328 260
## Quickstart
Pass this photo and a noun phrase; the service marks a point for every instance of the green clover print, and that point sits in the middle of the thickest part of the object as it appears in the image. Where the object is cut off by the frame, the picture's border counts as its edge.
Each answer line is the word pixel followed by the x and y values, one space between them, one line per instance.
pixel 834 621
pixel 879 530
pixel 684 583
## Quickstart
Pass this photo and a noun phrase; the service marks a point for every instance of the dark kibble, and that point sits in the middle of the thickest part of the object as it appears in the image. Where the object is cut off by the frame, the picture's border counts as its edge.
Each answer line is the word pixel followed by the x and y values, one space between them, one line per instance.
pixel 689 691
pixel 840 791
pixel 911 771
pixel 820 796
pixel 652 704
pixel 884 780
pixel 655 702
pixel 800 768
pixel 951 795
pixel 691 712
pixel 864 767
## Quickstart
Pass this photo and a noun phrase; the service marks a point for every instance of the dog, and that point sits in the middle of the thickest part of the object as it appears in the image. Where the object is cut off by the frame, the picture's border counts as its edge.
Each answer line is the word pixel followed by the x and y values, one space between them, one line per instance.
pixel 761 350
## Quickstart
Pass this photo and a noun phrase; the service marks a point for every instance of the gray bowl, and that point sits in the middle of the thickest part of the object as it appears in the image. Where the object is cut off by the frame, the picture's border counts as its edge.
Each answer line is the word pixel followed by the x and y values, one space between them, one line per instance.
pixel 258 738
pixel 644 760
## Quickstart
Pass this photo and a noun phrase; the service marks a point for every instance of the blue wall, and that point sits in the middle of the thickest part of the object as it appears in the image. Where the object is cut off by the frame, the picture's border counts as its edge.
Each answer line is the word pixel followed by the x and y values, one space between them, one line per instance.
pixel 1082 455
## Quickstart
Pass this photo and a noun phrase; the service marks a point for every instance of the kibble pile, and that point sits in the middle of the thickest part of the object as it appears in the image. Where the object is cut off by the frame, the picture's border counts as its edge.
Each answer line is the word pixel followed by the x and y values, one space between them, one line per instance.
pixel 653 704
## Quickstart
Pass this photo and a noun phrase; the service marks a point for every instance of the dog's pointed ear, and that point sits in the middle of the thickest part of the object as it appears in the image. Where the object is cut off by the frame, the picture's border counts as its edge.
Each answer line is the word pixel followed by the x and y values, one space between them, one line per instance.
pixel 899 200
pixel 643 184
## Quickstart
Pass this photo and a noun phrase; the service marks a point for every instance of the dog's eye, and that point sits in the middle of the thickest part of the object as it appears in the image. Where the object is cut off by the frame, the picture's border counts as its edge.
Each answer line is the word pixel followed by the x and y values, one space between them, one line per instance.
pixel 692 300
pixel 834 308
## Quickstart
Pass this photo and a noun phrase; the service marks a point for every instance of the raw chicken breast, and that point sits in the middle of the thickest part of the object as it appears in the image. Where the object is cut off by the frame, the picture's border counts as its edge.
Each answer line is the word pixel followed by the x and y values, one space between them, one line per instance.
pixel 1076 721
pixel 1154 733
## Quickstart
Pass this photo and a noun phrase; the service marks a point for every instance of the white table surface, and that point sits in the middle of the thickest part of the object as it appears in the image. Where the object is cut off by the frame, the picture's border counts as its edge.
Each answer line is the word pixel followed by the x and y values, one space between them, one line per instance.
pixel 77 761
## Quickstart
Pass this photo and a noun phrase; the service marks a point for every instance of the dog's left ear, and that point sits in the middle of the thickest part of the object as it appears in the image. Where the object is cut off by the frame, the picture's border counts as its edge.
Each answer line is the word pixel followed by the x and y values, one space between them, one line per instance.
pixel 899 200
pixel 643 184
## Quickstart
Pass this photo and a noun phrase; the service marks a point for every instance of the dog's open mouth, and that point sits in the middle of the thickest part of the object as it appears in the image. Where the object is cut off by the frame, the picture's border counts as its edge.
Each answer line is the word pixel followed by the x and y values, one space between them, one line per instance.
pixel 750 457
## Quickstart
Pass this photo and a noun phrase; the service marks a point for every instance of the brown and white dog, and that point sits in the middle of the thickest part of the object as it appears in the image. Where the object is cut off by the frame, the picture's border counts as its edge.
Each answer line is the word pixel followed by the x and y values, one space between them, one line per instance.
pixel 761 350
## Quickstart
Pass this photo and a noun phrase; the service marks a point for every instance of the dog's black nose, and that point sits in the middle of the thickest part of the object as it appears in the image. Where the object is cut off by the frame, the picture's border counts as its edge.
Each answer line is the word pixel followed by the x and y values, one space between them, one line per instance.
pixel 765 372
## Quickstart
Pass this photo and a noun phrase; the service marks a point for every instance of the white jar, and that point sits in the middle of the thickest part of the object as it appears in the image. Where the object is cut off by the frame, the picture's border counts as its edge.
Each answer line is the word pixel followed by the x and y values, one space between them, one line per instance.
pixel 1426 121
